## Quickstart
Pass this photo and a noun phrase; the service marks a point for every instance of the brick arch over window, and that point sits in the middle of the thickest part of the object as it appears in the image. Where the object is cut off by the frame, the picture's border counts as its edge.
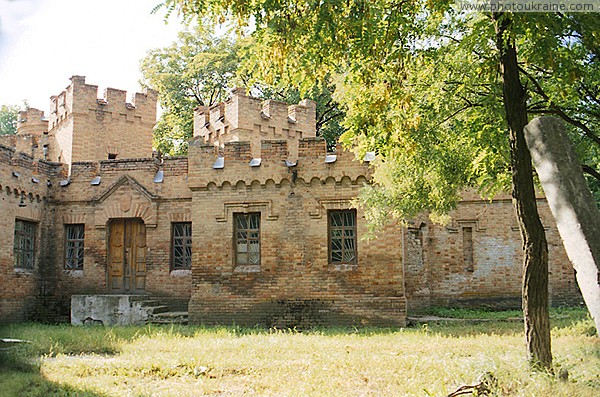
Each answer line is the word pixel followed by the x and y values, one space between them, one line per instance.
pixel 73 217
pixel 180 216
pixel 324 204
pixel 253 206
pixel 29 213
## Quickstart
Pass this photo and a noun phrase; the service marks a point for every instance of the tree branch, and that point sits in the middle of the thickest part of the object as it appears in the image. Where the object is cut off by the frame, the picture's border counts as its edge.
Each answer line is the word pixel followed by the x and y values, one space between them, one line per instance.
pixel 469 105
pixel 558 111
pixel 325 120
pixel 198 99
pixel 590 171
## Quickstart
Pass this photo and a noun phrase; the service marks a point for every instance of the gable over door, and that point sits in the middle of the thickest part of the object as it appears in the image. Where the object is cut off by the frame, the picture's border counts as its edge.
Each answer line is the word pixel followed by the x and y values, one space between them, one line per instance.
pixel 127 256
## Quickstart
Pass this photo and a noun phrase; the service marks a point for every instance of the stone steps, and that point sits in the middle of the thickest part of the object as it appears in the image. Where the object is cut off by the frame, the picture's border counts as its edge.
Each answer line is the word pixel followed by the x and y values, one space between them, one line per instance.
pixel 164 312
pixel 169 318
pixel 152 310
pixel 127 309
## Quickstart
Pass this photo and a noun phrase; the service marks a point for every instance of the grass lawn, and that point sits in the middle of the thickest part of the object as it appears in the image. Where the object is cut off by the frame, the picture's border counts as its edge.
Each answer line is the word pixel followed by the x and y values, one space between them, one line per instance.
pixel 431 359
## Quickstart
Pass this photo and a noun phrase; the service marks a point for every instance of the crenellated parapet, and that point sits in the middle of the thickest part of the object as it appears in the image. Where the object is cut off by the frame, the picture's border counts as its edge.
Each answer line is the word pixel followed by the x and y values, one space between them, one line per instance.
pixel 82 98
pixel 32 134
pixel 27 179
pixel 84 127
pixel 245 118
pixel 32 121
pixel 234 164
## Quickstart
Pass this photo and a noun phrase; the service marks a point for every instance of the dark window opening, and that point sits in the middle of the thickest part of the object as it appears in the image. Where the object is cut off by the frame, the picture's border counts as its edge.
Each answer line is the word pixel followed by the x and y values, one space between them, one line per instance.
pixel 468 247
pixel 342 237
pixel 181 258
pixel 74 240
pixel 24 245
pixel 247 238
pixel 112 156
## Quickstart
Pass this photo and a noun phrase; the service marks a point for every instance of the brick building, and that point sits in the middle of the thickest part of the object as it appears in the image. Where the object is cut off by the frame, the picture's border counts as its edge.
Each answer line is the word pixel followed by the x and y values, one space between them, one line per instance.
pixel 256 225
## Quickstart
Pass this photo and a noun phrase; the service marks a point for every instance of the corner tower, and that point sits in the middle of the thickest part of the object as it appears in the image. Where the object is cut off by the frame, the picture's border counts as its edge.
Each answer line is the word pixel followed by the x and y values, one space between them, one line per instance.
pixel 83 127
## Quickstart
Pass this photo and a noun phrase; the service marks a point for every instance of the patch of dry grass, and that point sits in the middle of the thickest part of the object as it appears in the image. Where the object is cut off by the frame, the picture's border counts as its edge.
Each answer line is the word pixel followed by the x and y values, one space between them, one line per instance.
pixel 431 360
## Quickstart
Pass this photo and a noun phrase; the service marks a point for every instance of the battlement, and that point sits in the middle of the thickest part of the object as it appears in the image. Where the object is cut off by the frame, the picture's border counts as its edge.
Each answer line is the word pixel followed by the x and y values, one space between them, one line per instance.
pixel 32 121
pixel 23 172
pixel 234 163
pixel 80 97
pixel 245 118
pixel 84 127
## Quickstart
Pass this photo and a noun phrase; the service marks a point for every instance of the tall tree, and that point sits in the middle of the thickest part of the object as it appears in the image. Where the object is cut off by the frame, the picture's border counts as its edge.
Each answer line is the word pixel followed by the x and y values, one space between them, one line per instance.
pixel 441 94
pixel 8 119
pixel 199 70
pixel 535 284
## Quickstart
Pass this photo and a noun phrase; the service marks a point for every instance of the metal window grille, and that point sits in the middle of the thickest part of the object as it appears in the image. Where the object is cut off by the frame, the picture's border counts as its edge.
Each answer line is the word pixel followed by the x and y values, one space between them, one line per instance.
pixel 182 245
pixel 74 238
pixel 24 245
pixel 247 238
pixel 342 236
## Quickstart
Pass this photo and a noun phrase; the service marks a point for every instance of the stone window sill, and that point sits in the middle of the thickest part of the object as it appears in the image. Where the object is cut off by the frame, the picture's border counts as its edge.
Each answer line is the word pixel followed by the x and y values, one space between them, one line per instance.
pixel 73 272
pixel 343 267
pixel 247 269
pixel 20 270
pixel 180 273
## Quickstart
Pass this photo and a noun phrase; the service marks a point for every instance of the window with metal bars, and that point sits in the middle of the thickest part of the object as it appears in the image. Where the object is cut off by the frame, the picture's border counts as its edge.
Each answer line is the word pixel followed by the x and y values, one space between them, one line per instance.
pixel 24 244
pixel 342 236
pixel 247 238
pixel 182 246
pixel 74 238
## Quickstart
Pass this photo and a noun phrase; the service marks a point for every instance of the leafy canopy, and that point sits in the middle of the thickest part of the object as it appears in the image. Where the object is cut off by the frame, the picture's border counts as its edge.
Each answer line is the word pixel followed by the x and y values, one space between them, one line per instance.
pixel 197 70
pixel 8 119
pixel 420 84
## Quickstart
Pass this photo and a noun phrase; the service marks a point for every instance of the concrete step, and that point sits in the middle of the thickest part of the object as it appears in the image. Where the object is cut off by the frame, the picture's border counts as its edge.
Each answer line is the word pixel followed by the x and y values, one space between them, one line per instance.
pixel 169 318
pixel 153 310
pixel 152 302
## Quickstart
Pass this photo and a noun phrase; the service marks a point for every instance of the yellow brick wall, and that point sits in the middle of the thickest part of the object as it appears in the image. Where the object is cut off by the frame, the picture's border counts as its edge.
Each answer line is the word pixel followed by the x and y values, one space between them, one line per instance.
pixel 404 269
pixel 23 198
pixel 295 286
pixel 84 127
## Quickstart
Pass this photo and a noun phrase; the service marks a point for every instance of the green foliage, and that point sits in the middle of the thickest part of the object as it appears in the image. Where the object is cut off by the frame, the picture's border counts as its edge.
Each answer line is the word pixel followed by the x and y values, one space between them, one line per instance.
pixel 564 80
pixel 420 84
pixel 461 313
pixel 197 70
pixel 8 119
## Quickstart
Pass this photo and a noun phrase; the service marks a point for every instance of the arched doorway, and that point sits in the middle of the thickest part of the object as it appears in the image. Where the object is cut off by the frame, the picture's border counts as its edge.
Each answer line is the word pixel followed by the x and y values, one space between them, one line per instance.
pixel 126 256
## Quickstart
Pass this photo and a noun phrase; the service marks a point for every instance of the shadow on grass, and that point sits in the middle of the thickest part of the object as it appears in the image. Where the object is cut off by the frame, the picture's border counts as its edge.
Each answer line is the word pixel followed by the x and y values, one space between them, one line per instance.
pixel 20 376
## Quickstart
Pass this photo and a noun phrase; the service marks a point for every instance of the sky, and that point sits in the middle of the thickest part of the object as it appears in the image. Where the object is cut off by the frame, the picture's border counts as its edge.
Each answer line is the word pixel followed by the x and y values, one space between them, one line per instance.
pixel 45 42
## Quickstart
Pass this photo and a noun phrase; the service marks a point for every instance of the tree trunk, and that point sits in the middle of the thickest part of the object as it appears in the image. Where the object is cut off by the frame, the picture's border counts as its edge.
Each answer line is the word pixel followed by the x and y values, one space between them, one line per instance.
pixel 535 249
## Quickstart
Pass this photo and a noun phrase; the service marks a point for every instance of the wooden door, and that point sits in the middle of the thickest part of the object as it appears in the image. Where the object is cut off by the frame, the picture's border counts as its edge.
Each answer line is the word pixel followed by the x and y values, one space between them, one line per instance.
pixel 127 256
